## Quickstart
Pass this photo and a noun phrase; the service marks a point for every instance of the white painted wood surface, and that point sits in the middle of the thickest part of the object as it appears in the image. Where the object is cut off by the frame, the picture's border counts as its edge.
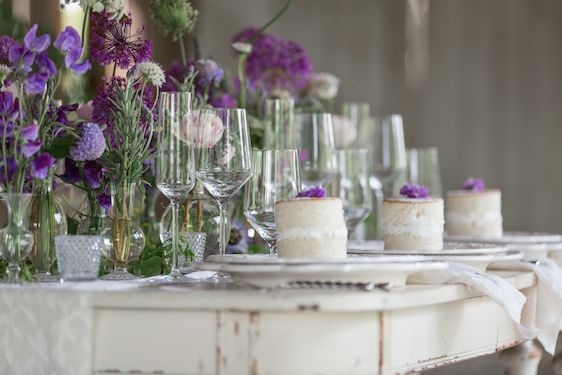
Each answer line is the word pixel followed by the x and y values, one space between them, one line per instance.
pixel 203 329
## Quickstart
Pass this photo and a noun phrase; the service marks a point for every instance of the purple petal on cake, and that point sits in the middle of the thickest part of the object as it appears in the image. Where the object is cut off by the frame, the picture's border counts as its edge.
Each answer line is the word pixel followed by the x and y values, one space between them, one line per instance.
pixel 41 165
pixel 31 148
pixel 414 191
pixel 474 184
pixel 35 84
pixel 104 200
pixel 314 192
pixel 34 43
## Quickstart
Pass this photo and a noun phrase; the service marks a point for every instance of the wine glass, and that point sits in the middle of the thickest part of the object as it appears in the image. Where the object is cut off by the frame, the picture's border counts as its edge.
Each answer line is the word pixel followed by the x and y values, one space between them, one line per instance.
pixel 175 169
pixel 423 169
pixel 224 164
pixel 276 177
pixel 352 186
pixel 314 138
pixel 359 117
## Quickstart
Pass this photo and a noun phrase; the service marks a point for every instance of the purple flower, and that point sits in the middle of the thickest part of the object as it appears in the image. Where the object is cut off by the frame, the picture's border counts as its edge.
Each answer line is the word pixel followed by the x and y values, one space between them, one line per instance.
pixel 91 144
pixel 69 42
pixel 208 73
pixel 238 239
pixel 176 71
pixel 34 43
pixel 104 200
pixel 6 44
pixel 275 63
pixel 222 100
pixel 474 184
pixel 71 172
pixel 112 41
pixel 41 165
pixel 10 167
pixel 93 174
pixel 47 67
pixel 314 192
pixel 414 191
pixel 31 148
pixel 19 54
pixel 30 132
pixel 35 84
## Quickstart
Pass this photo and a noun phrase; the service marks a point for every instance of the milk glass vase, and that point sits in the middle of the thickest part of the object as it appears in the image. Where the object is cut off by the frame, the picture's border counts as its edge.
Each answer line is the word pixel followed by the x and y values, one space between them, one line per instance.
pixel 123 237
pixel 16 238
pixel 47 220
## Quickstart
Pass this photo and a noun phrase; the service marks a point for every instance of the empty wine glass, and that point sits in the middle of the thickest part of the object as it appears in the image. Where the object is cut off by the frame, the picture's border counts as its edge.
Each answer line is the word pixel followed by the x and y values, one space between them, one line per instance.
pixel 352 186
pixel 275 177
pixel 359 117
pixel 175 170
pixel 314 138
pixel 388 151
pixel 224 164
pixel 423 169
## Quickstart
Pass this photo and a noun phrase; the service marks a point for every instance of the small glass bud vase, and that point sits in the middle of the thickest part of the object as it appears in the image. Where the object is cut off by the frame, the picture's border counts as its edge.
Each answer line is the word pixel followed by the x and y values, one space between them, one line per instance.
pixel 47 220
pixel 95 221
pixel 278 119
pixel 123 237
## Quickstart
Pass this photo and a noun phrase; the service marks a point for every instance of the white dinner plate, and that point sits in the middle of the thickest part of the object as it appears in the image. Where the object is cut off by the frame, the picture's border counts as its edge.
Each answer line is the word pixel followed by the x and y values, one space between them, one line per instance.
pixel 271 272
pixel 449 248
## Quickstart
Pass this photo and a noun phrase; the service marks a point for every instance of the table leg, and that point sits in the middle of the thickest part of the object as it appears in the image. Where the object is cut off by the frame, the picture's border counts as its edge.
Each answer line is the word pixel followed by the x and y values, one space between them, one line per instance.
pixel 522 359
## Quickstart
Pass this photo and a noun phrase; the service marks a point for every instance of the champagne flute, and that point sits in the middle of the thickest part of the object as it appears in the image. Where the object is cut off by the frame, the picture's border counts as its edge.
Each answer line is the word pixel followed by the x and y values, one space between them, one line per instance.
pixel 352 186
pixel 224 160
pixel 276 177
pixel 175 169
pixel 314 138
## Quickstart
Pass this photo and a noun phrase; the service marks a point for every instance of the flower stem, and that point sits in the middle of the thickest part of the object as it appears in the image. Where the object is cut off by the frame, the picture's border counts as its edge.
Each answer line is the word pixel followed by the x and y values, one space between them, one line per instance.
pixel 114 69
pixel 182 49
pixel 84 22
pixel 242 78
pixel 271 21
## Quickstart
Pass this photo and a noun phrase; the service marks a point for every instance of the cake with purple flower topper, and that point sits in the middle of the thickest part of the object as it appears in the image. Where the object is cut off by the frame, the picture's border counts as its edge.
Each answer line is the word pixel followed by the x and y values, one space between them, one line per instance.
pixel 474 211
pixel 311 226
pixel 413 221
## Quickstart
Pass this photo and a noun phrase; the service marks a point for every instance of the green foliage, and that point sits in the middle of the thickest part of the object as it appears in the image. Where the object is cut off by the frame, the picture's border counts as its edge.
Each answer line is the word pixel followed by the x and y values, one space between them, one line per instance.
pixel 60 146
pixel 174 17
pixel 256 249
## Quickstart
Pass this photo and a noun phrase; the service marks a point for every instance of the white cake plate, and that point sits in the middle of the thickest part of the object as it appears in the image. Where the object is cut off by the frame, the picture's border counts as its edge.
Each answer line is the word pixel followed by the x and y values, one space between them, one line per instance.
pixel 271 272
pixel 533 245
pixel 477 255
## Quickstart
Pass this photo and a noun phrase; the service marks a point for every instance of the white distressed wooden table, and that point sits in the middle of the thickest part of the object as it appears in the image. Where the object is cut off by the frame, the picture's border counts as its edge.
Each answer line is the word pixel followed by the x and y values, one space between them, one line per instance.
pixel 207 328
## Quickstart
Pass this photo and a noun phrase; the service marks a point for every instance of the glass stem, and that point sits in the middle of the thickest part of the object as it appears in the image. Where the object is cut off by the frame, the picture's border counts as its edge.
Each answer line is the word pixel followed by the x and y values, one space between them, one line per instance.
pixel 222 241
pixel 175 208
pixel 272 247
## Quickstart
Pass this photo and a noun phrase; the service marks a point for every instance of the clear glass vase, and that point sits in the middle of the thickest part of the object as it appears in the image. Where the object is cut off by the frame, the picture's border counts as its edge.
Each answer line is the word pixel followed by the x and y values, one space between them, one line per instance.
pixel 124 237
pixel 15 239
pixel 95 221
pixel 278 122
pixel 47 220
pixel 198 213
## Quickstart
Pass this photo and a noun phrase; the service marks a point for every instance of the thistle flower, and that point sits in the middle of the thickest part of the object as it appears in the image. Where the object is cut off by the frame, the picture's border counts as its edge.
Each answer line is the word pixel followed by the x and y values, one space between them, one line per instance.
pixel 112 41
pixel 115 8
pixel 91 144
pixel 208 73
pixel 175 17
pixel 150 72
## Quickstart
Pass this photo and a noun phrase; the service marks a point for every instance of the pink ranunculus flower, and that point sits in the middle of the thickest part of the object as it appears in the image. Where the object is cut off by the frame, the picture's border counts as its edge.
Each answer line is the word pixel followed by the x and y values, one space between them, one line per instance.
pixel 345 132
pixel 323 86
pixel 201 129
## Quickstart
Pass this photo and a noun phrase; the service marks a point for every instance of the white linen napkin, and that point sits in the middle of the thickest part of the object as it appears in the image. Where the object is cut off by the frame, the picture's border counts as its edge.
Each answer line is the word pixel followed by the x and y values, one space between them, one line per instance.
pixel 480 283
pixel 549 297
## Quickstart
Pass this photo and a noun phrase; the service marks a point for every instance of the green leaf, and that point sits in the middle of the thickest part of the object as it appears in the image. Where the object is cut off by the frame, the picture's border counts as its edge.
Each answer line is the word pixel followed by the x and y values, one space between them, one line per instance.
pixel 151 266
pixel 60 147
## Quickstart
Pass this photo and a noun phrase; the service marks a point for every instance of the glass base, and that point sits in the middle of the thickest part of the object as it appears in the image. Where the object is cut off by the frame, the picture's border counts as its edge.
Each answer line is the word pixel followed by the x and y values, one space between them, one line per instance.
pixel 119 275
pixel 12 280
pixel 45 278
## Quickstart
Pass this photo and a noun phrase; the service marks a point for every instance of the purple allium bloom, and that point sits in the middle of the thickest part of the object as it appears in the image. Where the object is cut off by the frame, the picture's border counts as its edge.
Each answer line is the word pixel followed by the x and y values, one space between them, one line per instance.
pixel 275 63
pixel 102 102
pixel 35 84
pixel 222 100
pixel 34 43
pixel 414 191
pixel 177 71
pixel 313 192
pixel 5 44
pixel 91 144
pixel 112 41
pixel 208 73
pixel 31 148
pixel 41 165
pixel 104 200
pixel 474 184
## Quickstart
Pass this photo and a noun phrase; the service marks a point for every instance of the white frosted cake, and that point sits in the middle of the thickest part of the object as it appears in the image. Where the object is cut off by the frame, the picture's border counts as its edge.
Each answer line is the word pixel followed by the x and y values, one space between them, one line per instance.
pixel 311 228
pixel 474 213
pixel 413 223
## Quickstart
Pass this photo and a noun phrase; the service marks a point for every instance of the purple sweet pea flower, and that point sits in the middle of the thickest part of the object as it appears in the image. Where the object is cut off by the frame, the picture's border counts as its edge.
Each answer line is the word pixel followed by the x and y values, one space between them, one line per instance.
pixel 18 53
pixel 30 132
pixel 31 148
pixel 474 184
pixel 35 84
pixel 314 192
pixel 34 43
pixel 41 165
pixel 71 172
pixel 11 167
pixel 414 191
pixel 104 200
pixel 69 42
pixel 47 67
pixel 71 62
pixel 93 174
